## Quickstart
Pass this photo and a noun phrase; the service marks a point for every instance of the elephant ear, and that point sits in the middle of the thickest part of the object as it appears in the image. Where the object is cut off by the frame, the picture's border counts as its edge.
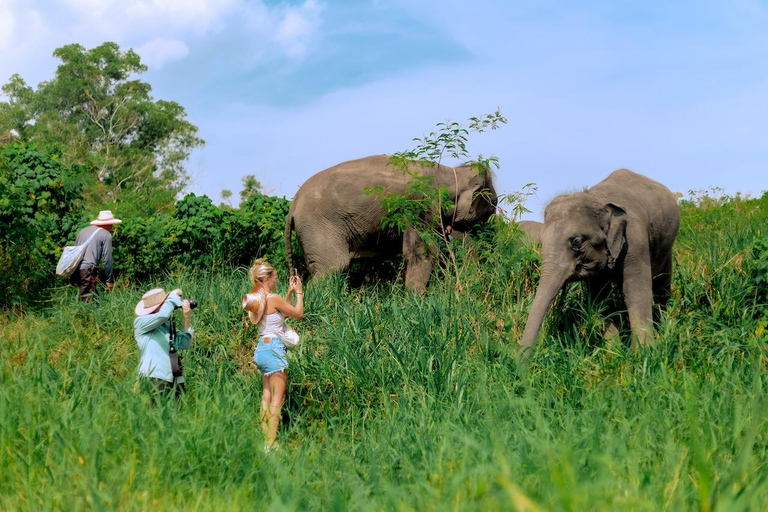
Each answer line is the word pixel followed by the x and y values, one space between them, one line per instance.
pixel 464 203
pixel 615 230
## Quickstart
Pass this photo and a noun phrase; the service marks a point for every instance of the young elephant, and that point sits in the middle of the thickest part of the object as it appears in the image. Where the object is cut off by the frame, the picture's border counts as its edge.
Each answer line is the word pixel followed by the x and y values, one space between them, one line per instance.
pixel 336 221
pixel 621 230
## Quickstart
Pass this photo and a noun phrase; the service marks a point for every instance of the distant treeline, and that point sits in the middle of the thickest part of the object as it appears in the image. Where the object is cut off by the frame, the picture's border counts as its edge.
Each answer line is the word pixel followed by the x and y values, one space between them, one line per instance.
pixel 42 209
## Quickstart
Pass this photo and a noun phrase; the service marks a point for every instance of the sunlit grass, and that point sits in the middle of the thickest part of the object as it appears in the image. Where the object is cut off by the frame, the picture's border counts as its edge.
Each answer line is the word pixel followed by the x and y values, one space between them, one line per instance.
pixel 404 402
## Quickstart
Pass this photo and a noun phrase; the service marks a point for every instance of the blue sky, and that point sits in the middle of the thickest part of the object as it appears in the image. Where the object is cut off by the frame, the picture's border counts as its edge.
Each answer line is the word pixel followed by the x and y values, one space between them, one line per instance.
pixel 676 90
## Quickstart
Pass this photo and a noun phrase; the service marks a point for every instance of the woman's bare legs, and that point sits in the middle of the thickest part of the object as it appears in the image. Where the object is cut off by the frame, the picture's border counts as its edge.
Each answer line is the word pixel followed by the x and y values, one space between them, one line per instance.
pixel 273 395
pixel 266 398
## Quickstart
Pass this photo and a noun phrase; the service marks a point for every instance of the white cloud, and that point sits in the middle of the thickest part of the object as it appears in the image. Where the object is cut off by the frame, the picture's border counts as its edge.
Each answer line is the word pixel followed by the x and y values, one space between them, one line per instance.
pixel 157 52
pixel 197 15
pixel 161 30
pixel 298 27
pixel 93 9
pixel 128 19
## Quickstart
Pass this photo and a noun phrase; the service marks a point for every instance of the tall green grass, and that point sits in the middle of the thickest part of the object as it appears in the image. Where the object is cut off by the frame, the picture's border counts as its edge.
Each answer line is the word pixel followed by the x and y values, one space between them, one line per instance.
pixel 400 402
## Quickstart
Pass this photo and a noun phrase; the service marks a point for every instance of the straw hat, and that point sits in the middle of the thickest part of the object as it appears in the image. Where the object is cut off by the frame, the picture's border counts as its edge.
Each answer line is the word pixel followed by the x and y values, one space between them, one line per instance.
pixel 151 301
pixel 256 301
pixel 105 219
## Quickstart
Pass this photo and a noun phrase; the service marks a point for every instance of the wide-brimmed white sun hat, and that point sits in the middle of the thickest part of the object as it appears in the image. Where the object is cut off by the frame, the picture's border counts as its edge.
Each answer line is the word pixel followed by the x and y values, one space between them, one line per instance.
pixel 105 219
pixel 151 301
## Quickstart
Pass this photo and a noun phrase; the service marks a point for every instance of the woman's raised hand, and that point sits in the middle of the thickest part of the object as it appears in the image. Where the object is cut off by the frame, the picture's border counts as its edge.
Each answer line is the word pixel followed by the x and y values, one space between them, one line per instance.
pixel 295 284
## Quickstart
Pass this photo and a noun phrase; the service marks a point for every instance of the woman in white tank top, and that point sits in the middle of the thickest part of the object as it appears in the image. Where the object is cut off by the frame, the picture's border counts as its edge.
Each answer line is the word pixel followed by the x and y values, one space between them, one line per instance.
pixel 269 355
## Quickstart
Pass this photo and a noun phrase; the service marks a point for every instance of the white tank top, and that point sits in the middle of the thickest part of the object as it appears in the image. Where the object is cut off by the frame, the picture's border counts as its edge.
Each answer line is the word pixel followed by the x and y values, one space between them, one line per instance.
pixel 272 324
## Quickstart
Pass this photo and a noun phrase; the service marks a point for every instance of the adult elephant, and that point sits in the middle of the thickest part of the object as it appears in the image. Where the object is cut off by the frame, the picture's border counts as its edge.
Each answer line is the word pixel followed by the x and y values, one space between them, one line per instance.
pixel 531 228
pixel 336 220
pixel 621 230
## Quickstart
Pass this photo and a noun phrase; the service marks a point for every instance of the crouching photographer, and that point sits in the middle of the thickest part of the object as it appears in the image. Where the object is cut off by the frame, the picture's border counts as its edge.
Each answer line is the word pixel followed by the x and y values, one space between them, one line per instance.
pixel 159 340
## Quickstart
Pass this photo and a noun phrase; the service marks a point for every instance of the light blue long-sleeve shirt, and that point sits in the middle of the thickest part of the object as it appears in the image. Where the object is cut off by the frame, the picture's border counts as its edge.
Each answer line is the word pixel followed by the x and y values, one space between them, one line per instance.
pixel 152 337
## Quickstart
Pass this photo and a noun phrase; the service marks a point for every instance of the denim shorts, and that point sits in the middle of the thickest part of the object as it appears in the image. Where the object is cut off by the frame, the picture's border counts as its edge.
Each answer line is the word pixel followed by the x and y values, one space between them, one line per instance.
pixel 270 357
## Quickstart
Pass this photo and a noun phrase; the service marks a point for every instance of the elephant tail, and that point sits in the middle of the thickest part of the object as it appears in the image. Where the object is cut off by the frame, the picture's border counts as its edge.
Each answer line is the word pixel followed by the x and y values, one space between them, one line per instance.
pixel 289 226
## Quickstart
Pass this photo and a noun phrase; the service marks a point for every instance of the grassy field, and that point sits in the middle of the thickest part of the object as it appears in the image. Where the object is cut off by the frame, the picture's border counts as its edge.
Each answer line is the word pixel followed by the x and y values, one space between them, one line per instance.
pixel 399 402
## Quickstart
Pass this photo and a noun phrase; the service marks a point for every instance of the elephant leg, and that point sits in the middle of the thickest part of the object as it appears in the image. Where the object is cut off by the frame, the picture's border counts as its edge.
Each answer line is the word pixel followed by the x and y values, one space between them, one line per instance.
pixel 599 291
pixel 638 296
pixel 418 260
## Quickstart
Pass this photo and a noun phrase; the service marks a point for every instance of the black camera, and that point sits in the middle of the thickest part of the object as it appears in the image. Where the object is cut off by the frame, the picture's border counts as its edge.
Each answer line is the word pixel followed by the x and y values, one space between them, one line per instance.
pixel 192 304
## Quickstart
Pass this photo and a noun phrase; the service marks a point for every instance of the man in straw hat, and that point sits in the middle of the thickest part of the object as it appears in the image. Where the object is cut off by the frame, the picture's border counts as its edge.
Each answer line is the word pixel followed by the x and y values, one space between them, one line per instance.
pixel 158 339
pixel 99 249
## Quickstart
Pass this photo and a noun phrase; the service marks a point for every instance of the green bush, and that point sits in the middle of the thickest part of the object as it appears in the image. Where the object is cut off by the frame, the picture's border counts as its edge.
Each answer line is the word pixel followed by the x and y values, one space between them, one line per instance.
pixel 39 210
pixel 140 248
pixel 199 236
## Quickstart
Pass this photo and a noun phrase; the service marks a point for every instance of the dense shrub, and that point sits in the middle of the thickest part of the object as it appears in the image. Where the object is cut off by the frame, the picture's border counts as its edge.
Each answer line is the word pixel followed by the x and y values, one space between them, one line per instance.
pixel 141 248
pixel 39 209
pixel 201 236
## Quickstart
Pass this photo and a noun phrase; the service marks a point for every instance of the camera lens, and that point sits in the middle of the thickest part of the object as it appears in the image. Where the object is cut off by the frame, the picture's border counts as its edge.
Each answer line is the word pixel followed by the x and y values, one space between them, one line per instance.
pixel 192 303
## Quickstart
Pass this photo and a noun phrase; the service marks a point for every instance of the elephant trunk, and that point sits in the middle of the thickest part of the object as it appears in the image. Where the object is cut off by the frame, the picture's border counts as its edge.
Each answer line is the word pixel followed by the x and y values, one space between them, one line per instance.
pixel 553 277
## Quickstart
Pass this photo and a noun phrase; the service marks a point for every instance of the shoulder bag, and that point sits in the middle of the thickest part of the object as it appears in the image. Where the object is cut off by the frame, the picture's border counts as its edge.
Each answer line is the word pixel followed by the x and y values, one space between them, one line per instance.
pixel 71 257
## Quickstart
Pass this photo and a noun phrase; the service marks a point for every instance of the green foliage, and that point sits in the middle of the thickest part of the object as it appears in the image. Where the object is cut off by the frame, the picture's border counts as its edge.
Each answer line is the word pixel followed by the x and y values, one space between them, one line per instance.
pixel 515 200
pixel 402 402
pixel 251 187
pixel 194 235
pixel 199 236
pixel 422 204
pixel 141 248
pixel 450 140
pixel 39 209
pixel 131 147
pixel 265 216
pixel 760 268
pixel 40 212
pixel 226 195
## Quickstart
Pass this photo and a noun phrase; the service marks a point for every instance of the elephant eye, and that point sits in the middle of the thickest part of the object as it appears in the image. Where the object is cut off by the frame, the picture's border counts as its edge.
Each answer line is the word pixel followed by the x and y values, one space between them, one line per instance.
pixel 576 242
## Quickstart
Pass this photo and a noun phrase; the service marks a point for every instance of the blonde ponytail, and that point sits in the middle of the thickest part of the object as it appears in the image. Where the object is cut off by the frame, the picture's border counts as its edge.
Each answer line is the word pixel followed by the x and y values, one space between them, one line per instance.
pixel 260 270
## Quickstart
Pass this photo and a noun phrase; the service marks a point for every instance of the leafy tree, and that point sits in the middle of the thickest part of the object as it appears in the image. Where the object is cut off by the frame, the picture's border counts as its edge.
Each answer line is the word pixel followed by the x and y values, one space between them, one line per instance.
pixel 226 195
pixel 39 210
pixel 251 187
pixel 265 217
pixel 131 147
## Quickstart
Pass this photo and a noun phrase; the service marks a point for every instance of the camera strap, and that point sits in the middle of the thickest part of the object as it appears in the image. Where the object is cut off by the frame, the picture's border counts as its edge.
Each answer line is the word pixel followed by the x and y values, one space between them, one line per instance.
pixel 176 367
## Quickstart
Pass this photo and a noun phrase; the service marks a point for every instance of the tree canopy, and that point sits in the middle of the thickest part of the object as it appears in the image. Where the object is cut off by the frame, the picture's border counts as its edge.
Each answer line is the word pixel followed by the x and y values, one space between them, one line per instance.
pixel 131 148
